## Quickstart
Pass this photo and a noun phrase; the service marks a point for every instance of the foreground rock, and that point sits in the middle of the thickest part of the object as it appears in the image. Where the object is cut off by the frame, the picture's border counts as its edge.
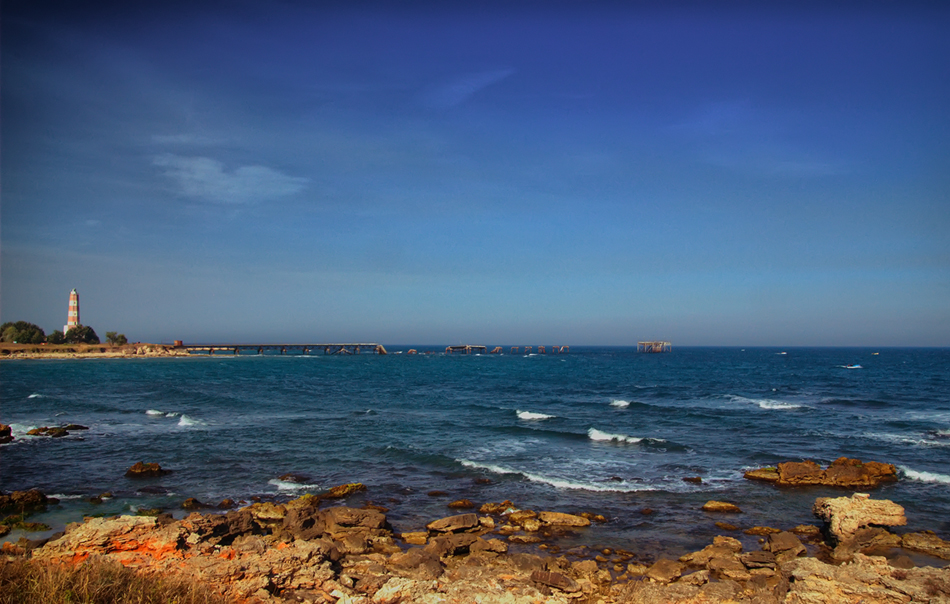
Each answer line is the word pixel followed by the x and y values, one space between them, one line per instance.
pixel 843 472
pixel 6 434
pixel 300 552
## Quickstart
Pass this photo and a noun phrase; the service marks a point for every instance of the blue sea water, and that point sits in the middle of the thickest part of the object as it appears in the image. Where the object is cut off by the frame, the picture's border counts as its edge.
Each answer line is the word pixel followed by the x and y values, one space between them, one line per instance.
pixel 605 430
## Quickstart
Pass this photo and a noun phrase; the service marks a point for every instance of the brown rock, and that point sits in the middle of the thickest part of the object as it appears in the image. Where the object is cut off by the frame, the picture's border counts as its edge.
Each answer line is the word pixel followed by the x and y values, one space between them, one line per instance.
pixel 843 472
pixel 344 490
pixel 452 544
pixel 416 538
pixel 846 515
pixel 560 519
pixel 226 504
pixel 765 474
pixel 693 479
pixel 75 427
pixel 524 539
pixel 494 546
pixel 928 543
pixel 145 470
pixel 721 506
pixel 454 524
pixel 496 508
pixel 417 563
pixel 727 527
pixel 461 504
pixel 665 570
pixel 23 501
pixel 436 493
pixel 758 559
pixel 730 568
pixel 192 504
pixel 761 531
pixel 521 515
pixel 785 543
pixel 6 434
pixel 555 580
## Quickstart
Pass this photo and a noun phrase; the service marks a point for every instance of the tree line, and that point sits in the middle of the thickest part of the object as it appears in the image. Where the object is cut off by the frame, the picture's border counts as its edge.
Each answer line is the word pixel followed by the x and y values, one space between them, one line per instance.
pixel 22 332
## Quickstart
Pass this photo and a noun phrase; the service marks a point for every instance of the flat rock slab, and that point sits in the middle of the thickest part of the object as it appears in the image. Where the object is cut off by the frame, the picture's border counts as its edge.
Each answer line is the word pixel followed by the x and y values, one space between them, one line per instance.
pixel 843 472
pixel 559 519
pixel 846 515
pixel 927 543
pixel 454 524
pixel 555 580
pixel 666 570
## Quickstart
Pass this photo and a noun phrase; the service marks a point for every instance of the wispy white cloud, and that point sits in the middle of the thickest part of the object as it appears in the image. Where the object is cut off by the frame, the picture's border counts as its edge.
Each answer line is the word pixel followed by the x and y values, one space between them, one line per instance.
pixel 206 179
pixel 460 89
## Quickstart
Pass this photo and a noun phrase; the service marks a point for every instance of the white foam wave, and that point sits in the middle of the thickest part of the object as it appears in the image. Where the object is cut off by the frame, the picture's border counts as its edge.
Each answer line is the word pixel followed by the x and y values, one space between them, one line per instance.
pixel 765 403
pixel 770 404
pixel 61 496
pixel 558 483
pixel 186 422
pixel 285 485
pixel 924 476
pixel 154 412
pixel 20 430
pixel 907 440
pixel 171 415
pixel 529 415
pixel 942 433
pixel 619 403
pixel 599 435
pixel 36 395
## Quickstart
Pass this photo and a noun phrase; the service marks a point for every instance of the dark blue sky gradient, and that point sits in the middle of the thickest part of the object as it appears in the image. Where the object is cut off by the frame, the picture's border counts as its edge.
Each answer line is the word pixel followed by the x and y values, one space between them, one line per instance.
pixel 589 173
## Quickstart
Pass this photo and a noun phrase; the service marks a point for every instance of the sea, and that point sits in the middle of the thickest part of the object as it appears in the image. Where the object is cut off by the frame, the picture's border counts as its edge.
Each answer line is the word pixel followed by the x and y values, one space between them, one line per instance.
pixel 602 430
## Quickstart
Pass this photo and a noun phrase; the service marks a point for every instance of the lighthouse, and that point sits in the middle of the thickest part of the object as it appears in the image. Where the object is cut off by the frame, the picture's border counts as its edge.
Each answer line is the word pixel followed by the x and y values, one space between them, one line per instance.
pixel 72 319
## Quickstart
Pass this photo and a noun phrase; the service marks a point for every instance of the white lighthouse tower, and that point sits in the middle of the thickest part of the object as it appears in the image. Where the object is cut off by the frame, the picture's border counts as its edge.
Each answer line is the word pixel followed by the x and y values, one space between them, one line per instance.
pixel 72 319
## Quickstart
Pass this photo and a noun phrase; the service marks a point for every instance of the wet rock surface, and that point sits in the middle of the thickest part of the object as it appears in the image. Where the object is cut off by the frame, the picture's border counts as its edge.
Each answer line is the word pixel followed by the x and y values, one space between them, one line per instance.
pixel 843 472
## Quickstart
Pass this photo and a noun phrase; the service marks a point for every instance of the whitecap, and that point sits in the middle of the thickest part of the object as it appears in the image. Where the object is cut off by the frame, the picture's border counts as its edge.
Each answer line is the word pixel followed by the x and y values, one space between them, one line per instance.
pixel 619 403
pixel 186 422
pixel 154 412
pixel 61 496
pixel 286 485
pixel 36 395
pixel 770 404
pixel 528 415
pixel 171 415
pixel 595 434
pixel 924 476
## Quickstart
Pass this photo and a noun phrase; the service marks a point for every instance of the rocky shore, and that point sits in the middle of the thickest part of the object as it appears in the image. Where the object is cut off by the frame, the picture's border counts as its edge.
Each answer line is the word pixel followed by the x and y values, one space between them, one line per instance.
pixel 88 351
pixel 312 549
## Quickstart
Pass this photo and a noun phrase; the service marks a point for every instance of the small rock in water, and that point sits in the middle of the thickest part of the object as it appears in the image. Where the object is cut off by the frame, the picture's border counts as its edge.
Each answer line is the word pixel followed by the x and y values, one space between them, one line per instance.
pixel 721 506
pixel 344 490
pixel 436 493
pixel 727 527
pixel 192 504
pixel 693 479
pixel 145 470
pixel 461 504
pixel 294 477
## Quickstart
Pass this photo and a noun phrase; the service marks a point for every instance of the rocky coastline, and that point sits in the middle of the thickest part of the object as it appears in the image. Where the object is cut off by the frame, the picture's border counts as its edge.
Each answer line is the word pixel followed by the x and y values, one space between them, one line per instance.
pixel 313 549
pixel 88 351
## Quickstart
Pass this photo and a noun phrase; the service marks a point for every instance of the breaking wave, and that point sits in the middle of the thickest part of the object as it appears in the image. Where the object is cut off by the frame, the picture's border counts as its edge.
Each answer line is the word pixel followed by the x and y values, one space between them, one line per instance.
pixel 186 422
pixel 529 415
pixel 286 485
pixel 154 412
pixel 559 483
pixel 619 403
pixel 924 476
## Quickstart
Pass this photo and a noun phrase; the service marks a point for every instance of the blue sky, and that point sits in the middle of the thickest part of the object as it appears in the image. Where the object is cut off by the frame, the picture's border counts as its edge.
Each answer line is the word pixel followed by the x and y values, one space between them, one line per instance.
pixel 493 173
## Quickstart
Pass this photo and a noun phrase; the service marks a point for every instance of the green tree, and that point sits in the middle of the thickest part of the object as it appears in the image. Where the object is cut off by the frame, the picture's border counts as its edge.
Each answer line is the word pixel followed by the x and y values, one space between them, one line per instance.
pixel 22 332
pixel 82 334
pixel 56 337
pixel 116 339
